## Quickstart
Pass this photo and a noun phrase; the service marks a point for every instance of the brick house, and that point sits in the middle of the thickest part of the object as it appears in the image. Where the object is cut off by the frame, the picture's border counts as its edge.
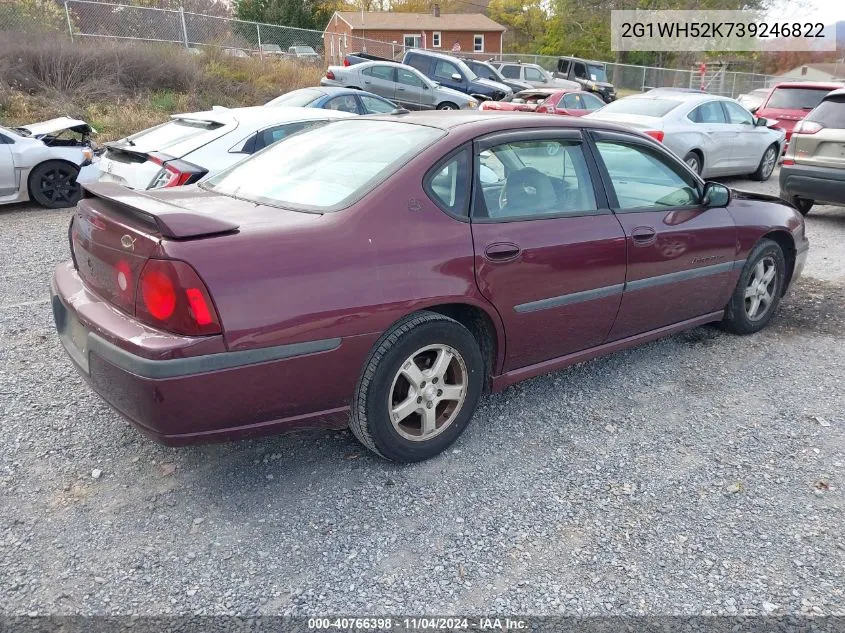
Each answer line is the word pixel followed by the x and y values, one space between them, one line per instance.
pixel 389 34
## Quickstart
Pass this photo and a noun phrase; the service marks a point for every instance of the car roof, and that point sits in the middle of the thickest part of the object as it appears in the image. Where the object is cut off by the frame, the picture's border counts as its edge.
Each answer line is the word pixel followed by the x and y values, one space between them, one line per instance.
pixel 433 54
pixel 260 115
pixel 840 92
pixel 817 85
pixel 676 95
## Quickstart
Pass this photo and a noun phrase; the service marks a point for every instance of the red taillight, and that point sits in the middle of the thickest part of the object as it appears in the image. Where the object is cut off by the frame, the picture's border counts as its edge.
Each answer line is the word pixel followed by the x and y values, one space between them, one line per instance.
pixel 346 62
pixel 807 127
pixel 329 74
pixel 172 297
pixel 657 135
pixel 788 161
pixel 174 172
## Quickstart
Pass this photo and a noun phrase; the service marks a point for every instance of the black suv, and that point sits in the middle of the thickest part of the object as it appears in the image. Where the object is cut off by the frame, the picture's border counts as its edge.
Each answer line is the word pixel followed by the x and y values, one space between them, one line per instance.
pixel 487 71
pixel 591 75
pixel 453 73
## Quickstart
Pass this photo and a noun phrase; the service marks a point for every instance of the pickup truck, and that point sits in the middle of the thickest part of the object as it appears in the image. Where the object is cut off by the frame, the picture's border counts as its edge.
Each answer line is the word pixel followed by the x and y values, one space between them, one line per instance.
pixel 358 58
pixel 592 76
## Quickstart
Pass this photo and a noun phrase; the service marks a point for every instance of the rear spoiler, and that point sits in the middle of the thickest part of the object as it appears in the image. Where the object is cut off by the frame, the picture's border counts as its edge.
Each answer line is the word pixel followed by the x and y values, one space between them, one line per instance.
pixel 170 220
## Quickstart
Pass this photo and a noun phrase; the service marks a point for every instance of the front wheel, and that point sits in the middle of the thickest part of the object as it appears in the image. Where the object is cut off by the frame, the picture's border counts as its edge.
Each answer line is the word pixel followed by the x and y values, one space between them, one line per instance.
pixel 447 105
pixel 419 389
pixel 758 290
pixel 693 160
pixel 53 185
pixel 767 164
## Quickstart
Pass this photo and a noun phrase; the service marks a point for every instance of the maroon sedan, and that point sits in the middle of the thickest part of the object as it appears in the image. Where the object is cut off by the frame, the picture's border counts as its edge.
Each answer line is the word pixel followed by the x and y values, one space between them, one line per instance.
pixel 384 272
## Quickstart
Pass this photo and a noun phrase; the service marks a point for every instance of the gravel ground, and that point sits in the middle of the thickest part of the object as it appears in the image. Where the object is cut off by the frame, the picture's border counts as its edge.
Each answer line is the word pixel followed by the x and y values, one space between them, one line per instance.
pixel 701 474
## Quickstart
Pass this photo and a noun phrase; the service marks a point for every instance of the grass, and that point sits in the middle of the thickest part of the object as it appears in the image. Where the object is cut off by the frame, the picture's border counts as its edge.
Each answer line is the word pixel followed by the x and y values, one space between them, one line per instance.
pixel 123 88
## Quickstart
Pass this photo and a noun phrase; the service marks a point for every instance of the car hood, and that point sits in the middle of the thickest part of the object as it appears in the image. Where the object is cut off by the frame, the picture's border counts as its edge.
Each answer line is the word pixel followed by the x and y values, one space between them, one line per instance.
pixel 495 85
pixel 56 125
pixel 451 92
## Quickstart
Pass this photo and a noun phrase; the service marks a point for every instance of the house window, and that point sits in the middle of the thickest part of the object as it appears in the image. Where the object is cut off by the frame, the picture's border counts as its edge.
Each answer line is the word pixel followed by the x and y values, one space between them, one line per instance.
pixel 413 41
pixel 478 43
pixel 435 39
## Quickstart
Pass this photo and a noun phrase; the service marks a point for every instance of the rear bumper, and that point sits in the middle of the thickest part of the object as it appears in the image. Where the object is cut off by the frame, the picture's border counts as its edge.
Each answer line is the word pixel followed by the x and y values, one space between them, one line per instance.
pixel 823 184
pixel 177 390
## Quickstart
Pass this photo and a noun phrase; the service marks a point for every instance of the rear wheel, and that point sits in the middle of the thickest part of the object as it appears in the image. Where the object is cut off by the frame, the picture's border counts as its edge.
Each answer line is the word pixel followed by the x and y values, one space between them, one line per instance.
pixel 419 388
pixel 802 204
pixel 53 185
pixel 447 105
pixel 767 164
pixel 693 160
pixel 758 290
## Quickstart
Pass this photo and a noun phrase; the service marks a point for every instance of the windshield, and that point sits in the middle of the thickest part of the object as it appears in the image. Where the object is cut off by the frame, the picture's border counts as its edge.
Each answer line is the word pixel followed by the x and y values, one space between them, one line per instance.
pixel 797 98
pixel 296 98
pixel 303 49
pixel 314 171
pixel 642 107
pixel 466 70
pixel 596 72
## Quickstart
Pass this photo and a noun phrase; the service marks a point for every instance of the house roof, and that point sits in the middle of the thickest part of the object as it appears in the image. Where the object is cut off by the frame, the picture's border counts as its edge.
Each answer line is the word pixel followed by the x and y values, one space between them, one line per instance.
pixel 415 22
pixel 832 69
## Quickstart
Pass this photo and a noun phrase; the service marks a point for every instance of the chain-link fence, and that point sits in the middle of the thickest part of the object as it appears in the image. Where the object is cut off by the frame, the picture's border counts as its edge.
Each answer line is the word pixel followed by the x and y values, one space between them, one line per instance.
pixel 239 38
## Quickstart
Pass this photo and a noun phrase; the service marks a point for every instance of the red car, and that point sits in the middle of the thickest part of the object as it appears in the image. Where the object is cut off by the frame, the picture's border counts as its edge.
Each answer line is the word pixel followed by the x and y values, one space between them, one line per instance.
pixel 571 103
pixel 386 281
pixel 522 101
pixel 788 103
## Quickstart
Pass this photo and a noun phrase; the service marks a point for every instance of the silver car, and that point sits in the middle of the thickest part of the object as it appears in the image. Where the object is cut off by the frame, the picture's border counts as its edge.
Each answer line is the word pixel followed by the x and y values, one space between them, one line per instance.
pixel 402 84
pixel 534 75
pixel 714 135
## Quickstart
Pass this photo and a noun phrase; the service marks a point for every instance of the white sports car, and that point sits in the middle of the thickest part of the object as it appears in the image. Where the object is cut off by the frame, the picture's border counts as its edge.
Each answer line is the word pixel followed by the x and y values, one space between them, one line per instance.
pixel 41 161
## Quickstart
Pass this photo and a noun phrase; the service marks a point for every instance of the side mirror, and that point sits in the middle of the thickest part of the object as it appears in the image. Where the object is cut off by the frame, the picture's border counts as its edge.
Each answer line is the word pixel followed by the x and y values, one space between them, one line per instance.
pixel 716 195
pixel 761 122
pixel 456 77
pixel 753 109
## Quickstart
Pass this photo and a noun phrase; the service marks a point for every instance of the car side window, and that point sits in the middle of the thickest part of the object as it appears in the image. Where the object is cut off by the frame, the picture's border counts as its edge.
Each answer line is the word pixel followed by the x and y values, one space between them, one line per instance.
pixel 738 114
pixel 380 72
pixel 533 179
pixel 375 106
pixel 277 133
pixel 445 70
pixel 532 74
pixel 563 66
pixel 407 78
pixel 592 103
pixel 710 112
pixel 344 103
pixel 509 71
pixel 570 101
pixel 580 71
pixel 644 179
pixel 482 71
pixel 448 184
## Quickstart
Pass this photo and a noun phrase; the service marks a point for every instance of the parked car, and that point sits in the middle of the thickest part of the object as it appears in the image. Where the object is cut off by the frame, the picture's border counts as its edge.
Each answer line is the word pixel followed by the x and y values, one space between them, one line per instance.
pixel 485 70
pixel 523 101
pixel 189 146
pixel 303 54
pixel 788 103
pixel 41 161
pixel 235 52
pixel 714 135
pixel 813 168
pixel 351 100
pixel 273 50
pixel 402 84
pixel 249 304
pixel 534 75
pixel 350 59
pixel 453 73
pixel 590 75
pixel 753 99
pixel 574 103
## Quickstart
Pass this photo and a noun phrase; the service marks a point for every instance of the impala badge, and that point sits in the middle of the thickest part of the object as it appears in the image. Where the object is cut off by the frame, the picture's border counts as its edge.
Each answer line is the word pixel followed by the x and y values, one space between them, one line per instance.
pixel 127 241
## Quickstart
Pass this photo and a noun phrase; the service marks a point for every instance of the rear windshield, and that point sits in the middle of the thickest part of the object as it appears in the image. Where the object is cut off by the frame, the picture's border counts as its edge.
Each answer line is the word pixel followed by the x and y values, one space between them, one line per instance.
pixel 642 107
pixel 297 98
pixel 796 98
pixel 830 113
pixel 327 168
pixel 183 132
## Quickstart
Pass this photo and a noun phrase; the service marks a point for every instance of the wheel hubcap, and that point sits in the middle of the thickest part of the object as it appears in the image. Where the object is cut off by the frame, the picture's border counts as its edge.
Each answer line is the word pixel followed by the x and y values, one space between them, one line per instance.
pixel 428 392
pixel 760 292
pixel 56 185
pixel 769 162
pixel 693 163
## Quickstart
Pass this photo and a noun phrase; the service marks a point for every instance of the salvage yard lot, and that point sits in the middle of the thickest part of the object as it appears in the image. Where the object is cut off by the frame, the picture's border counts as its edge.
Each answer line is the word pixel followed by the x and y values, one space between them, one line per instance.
pixel 697 474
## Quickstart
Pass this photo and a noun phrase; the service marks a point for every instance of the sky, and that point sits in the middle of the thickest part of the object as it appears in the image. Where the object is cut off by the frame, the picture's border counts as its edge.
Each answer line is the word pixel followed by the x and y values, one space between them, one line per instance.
pixel 825 11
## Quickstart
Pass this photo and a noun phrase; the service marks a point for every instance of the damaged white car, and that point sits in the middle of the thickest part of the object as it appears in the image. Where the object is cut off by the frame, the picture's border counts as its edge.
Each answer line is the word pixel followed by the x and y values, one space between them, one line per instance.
pixel 42 161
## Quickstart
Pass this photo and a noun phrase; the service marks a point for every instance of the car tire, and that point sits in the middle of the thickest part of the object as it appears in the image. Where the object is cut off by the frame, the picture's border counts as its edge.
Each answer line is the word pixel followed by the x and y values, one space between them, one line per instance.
pixel 403 368
pixel 447 105
pixel 53 185
pixel 767 164
pixel 758 291
pixel 802 204
pixel 694 162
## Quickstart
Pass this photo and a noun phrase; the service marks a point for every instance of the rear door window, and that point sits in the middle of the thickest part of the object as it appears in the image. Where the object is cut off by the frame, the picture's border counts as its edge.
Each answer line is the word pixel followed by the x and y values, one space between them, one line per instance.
pixel 448 184
pixel 343 103
pixel 737 114
pixel 710 112
pixel 379 72
pixel 509 71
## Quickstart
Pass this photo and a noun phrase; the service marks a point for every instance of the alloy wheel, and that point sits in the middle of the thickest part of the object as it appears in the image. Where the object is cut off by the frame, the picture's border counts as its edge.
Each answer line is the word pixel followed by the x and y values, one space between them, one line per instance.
pixel 57 185
pixel 759 293
pixel 693 164
pixel 769 160
pixel 428 392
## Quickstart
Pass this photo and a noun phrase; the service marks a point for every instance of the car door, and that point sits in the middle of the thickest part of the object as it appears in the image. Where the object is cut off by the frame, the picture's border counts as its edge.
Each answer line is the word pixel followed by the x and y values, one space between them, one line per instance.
pixel 7 168
pixel 549 254
pixel 748 142
pixel 412 90
pixel 714 136
pixel 449 75
pixel 380 79
pixel 680 253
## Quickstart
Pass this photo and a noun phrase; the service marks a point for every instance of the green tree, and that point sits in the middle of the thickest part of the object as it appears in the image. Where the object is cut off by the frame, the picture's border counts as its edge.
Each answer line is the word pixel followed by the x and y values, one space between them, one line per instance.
pixel 525 20
pixel 303 14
